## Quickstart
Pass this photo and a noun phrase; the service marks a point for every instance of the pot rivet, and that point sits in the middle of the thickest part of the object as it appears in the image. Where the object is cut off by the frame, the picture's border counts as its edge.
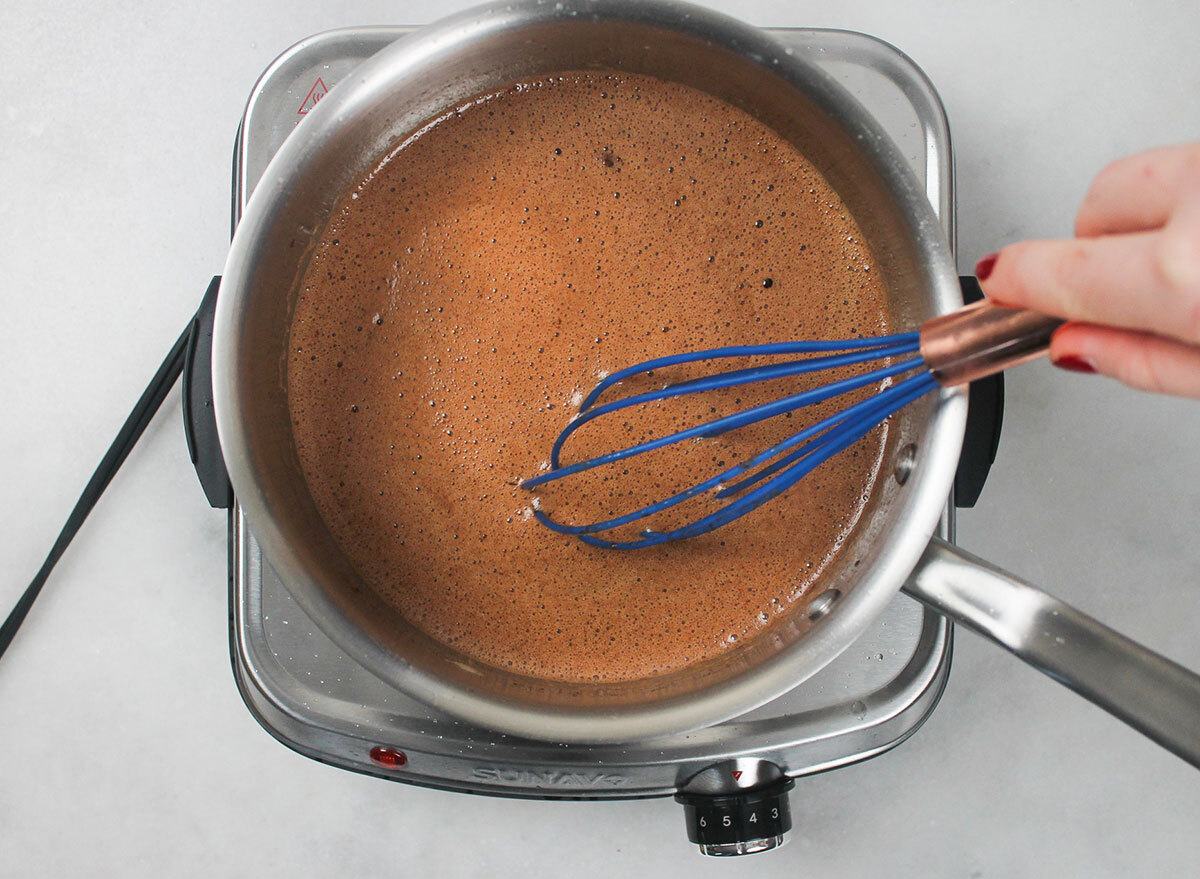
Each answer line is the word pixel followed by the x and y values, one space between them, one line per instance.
pixel 905 463
pixel 822 604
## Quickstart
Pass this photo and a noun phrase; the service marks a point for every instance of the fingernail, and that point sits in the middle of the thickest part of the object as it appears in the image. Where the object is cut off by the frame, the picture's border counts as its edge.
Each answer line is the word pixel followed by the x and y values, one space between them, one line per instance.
pixel 983 268
pixel 1074 364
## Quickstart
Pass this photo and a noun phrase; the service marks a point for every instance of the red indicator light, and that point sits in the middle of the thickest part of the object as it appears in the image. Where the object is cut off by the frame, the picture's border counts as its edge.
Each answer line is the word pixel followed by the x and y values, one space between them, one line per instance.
pixel 388 758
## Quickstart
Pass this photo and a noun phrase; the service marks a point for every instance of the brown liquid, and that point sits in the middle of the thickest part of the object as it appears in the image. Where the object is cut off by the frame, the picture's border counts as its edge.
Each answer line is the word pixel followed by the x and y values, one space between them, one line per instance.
pixel 487 274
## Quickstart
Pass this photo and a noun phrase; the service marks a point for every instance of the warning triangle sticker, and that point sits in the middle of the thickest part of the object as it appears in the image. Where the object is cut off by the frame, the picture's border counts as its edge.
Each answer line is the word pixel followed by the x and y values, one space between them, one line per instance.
pixel 315 94
pixel 737 775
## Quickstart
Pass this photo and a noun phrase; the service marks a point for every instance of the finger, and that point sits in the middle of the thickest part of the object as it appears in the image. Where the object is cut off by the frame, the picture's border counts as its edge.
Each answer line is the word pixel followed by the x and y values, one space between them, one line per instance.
pixel 1140 360
pixel 1142 281
pixel 1139 192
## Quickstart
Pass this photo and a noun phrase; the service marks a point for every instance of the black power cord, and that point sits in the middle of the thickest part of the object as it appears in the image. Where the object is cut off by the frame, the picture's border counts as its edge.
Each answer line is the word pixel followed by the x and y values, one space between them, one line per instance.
pixel 131 431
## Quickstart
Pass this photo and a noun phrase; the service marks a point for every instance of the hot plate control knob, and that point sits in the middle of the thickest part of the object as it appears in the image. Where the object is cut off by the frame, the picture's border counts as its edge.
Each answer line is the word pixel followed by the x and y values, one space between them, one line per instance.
pixel 741 823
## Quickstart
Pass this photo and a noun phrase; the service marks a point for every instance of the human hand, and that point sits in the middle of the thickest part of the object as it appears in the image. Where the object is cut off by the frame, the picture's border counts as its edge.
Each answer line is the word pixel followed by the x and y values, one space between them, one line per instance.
pixel 1128 283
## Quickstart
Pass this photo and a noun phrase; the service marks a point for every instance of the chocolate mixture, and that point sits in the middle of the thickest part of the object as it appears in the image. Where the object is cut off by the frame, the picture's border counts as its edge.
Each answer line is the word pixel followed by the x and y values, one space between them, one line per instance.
pixel 482 279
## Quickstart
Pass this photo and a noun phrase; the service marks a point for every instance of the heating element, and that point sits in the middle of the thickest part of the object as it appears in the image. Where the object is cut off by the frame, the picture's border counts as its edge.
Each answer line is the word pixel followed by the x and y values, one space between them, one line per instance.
pixel 733 777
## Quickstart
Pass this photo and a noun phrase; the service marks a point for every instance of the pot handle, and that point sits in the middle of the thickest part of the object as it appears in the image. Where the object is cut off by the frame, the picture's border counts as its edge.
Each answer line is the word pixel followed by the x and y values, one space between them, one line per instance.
pixel 1154 695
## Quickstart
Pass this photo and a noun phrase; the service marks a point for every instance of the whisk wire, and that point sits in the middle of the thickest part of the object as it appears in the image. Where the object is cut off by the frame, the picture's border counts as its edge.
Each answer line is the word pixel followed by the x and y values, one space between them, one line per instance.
pixel 869 412
pixel 711 428
pixel 729 379
pixel 828 446
pixel 809 346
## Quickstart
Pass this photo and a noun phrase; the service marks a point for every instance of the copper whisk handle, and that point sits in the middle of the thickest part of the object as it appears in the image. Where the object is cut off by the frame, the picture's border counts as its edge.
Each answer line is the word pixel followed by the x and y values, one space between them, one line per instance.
pixel 981 339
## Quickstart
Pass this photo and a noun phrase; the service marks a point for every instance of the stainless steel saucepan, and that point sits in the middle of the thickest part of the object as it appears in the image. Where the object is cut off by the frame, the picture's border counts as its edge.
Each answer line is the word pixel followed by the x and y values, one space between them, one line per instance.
pixel 417 79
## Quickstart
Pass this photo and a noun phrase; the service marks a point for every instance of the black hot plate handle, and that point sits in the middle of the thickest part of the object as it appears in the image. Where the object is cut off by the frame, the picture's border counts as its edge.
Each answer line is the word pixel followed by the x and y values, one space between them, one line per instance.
pixel 199 417
pixel 985 415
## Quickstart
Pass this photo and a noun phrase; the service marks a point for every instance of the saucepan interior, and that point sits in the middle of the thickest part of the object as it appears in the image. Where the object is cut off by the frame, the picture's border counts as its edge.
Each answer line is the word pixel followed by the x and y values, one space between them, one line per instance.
pixel 415 81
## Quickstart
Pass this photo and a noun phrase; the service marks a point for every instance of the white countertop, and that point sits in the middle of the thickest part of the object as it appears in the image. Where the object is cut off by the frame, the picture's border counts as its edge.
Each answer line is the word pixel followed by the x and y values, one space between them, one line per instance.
pixel 126 749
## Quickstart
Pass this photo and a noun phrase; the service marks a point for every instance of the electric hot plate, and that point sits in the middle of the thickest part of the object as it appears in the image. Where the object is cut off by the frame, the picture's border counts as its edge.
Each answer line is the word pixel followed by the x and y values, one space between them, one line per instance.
pixel 732 778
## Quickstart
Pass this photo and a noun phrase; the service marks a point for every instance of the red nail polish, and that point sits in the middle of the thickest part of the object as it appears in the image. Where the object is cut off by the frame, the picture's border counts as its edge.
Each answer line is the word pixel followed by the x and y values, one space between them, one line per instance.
pixel 983 268
pixel 1074 364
